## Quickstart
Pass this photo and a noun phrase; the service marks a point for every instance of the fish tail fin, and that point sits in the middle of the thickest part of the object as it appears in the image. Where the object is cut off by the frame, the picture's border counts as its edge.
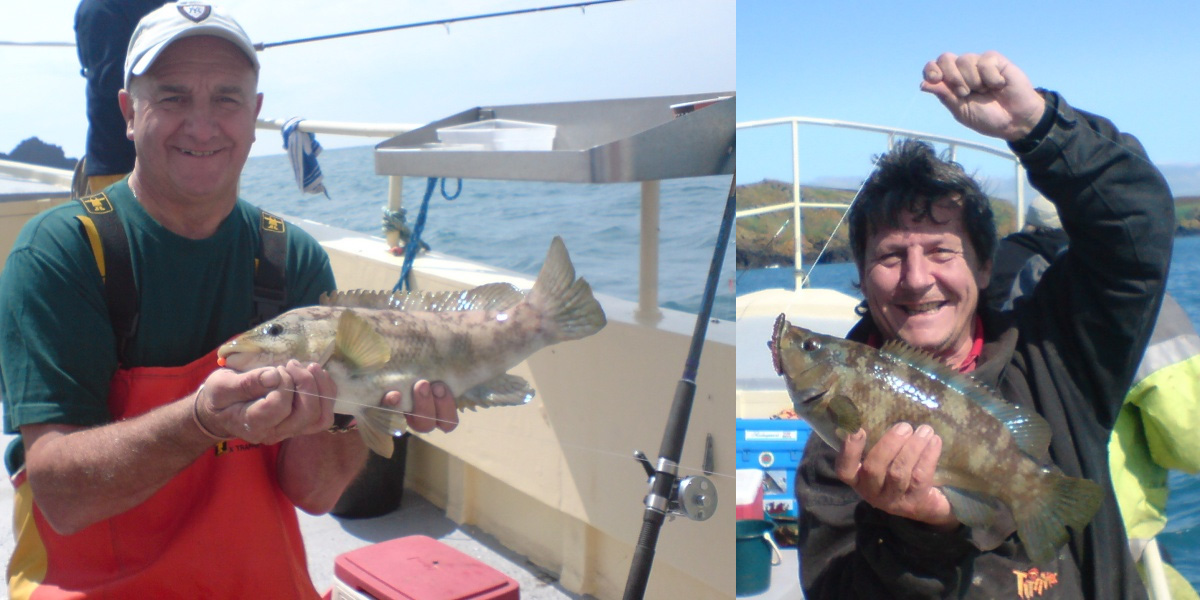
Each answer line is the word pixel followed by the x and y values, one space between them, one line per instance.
pixel 378 428
pixel 1061 502
pixel 567 302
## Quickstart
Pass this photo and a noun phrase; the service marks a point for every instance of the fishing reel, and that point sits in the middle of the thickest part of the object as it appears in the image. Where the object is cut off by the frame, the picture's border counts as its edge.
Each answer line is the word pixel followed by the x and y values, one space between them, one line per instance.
pixel 694 496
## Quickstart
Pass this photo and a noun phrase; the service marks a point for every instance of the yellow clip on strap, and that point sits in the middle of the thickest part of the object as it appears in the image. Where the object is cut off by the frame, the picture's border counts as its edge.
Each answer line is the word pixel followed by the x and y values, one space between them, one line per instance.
pixel 94 238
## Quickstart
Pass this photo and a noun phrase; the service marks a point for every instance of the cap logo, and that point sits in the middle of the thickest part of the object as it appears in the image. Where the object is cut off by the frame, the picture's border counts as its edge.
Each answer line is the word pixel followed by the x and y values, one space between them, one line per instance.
pixel 194 12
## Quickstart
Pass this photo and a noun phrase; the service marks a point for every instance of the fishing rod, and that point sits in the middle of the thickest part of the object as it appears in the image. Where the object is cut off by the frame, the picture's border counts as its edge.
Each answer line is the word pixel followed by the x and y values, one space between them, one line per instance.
pixel 39 44
pixel 443 22
pixel 694 497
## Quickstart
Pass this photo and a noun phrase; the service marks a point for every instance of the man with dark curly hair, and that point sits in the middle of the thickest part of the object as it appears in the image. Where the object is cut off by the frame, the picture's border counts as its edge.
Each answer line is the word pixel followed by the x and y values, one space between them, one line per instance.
pixel 874 523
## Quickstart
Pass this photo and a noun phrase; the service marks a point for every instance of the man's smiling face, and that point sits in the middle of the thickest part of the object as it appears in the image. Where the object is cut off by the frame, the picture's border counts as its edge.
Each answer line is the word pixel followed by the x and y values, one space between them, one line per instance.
pixel 193 118
pixel 922 282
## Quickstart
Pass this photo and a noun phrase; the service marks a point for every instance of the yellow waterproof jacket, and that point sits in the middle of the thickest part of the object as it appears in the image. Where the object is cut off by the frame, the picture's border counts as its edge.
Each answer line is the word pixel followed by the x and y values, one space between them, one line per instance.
pixel 1158 428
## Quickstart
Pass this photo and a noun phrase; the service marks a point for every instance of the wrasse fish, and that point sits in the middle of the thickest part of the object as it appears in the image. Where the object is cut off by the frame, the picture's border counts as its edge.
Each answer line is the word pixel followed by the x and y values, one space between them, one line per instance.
pixel 374 342
pixel 988 444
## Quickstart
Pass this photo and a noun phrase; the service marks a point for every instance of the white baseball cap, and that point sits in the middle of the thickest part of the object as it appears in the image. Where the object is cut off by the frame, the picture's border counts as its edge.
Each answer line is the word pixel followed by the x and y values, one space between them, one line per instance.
pixel 175 21
pixel 1042 213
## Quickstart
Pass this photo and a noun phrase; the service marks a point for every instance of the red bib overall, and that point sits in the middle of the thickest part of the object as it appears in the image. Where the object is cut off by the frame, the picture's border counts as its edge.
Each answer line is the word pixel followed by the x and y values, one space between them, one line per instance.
pixel 220 529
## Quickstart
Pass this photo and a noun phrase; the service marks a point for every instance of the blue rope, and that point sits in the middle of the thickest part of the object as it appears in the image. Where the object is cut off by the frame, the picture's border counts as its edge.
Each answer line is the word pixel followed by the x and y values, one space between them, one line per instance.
pixel 414 241
pixel 456 192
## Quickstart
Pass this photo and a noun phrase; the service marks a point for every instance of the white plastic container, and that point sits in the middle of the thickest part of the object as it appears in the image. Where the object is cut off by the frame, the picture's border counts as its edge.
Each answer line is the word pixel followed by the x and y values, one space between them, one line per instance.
pixel 499 134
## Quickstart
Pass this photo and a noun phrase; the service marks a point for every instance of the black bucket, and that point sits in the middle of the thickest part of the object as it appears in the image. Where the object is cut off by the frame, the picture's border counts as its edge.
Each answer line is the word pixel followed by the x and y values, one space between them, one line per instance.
pixel 378 490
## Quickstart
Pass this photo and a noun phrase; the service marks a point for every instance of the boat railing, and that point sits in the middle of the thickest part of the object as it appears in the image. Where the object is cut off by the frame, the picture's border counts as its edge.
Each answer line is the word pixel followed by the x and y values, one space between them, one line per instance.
pixel 47 175
pixel 891 134
pixel 648 310
pixel 601 141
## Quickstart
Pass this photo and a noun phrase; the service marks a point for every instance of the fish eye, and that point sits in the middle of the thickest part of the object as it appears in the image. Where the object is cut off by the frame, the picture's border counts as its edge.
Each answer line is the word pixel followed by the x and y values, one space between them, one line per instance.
pixel 812 344
pixel 273 329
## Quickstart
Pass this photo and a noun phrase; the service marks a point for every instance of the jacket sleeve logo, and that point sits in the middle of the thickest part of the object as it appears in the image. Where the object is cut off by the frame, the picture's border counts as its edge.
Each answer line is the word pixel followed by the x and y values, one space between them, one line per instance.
pixel 1034 582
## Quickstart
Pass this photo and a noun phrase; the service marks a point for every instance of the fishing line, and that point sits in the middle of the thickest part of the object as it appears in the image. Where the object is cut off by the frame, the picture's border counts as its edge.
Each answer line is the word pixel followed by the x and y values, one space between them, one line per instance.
pixel 904 115
pixel 770 244
pixel 601 451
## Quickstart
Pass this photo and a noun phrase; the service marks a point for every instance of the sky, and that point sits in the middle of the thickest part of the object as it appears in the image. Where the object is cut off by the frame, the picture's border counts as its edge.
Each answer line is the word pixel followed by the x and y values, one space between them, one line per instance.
pixel 1137 63
pixel 634 48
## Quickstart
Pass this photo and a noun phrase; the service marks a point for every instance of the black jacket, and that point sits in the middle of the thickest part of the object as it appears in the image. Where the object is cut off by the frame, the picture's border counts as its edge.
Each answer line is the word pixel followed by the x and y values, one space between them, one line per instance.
pixel 1069 352
pixel 1015 260
pixel 102 32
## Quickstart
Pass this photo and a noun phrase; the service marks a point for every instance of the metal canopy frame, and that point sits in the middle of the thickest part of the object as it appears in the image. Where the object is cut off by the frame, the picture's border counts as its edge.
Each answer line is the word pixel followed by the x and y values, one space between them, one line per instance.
pixel 597 141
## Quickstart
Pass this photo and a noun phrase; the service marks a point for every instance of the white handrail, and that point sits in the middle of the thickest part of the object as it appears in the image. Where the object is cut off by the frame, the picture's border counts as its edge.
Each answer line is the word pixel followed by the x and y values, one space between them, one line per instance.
pixel 372 130
pixel 891 132
pixel 50 175
pixel 1156 574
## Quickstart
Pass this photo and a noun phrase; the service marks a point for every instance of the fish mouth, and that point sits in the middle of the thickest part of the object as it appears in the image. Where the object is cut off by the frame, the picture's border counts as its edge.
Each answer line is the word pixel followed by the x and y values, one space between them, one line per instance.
pixel 233 355
pixel 776 337
pixel 816 396
pixel 227 349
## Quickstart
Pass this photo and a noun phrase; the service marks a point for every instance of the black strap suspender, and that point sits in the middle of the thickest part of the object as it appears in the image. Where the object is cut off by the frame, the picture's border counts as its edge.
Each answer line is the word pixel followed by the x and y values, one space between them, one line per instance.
pixel 270 269
pixel 110 246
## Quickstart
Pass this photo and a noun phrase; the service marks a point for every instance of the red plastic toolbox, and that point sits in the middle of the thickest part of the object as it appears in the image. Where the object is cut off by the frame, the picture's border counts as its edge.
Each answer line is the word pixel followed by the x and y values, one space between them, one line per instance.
pixel 421 568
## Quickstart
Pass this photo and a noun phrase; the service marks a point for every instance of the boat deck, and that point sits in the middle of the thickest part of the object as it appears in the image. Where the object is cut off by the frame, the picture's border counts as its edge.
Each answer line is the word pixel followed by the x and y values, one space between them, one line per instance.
pixel 326 537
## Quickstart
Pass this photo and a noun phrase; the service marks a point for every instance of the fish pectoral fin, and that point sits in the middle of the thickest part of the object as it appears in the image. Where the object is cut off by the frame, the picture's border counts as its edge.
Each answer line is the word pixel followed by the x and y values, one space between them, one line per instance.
pixel 376 438
pixel 378 426
pixel 503 390
pixel 845 414
pixel 974 510
pixel 359 345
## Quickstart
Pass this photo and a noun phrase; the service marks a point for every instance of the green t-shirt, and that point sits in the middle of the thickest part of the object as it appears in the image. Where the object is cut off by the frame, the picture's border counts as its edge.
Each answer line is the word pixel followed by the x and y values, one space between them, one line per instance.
pixel 57 347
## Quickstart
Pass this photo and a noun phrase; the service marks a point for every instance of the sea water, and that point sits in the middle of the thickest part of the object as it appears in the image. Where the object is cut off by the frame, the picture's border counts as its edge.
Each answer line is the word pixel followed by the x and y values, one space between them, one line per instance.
pixel 509 224
pixel 1181 538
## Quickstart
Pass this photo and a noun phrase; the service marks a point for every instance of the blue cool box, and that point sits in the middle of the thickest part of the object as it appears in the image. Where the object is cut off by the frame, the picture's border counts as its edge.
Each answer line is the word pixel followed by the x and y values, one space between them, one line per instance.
pixel 775 446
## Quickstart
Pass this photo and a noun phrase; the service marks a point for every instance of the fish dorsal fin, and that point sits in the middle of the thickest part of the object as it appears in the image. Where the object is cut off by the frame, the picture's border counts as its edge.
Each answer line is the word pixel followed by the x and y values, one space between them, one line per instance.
pixel 492 296
pixel 359 345
pixel 1029 430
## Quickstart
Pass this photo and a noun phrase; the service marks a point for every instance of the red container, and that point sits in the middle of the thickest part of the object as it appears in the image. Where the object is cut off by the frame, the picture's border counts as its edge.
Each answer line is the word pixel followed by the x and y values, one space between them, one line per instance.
pixel 749 503
pixel 421 568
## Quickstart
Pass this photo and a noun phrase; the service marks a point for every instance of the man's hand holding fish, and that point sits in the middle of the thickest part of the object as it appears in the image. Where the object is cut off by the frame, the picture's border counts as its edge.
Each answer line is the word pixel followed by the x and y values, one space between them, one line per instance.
pixel 271 404
pixel 898 475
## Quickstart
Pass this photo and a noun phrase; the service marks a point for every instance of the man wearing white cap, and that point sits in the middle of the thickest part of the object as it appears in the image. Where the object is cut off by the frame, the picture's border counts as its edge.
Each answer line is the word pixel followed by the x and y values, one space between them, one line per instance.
pixel 141 469
pixel 1022 256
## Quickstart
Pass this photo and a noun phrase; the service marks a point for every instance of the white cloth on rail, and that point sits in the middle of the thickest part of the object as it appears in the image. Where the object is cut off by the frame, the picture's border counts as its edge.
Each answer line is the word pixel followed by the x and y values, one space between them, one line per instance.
pixel 303 149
